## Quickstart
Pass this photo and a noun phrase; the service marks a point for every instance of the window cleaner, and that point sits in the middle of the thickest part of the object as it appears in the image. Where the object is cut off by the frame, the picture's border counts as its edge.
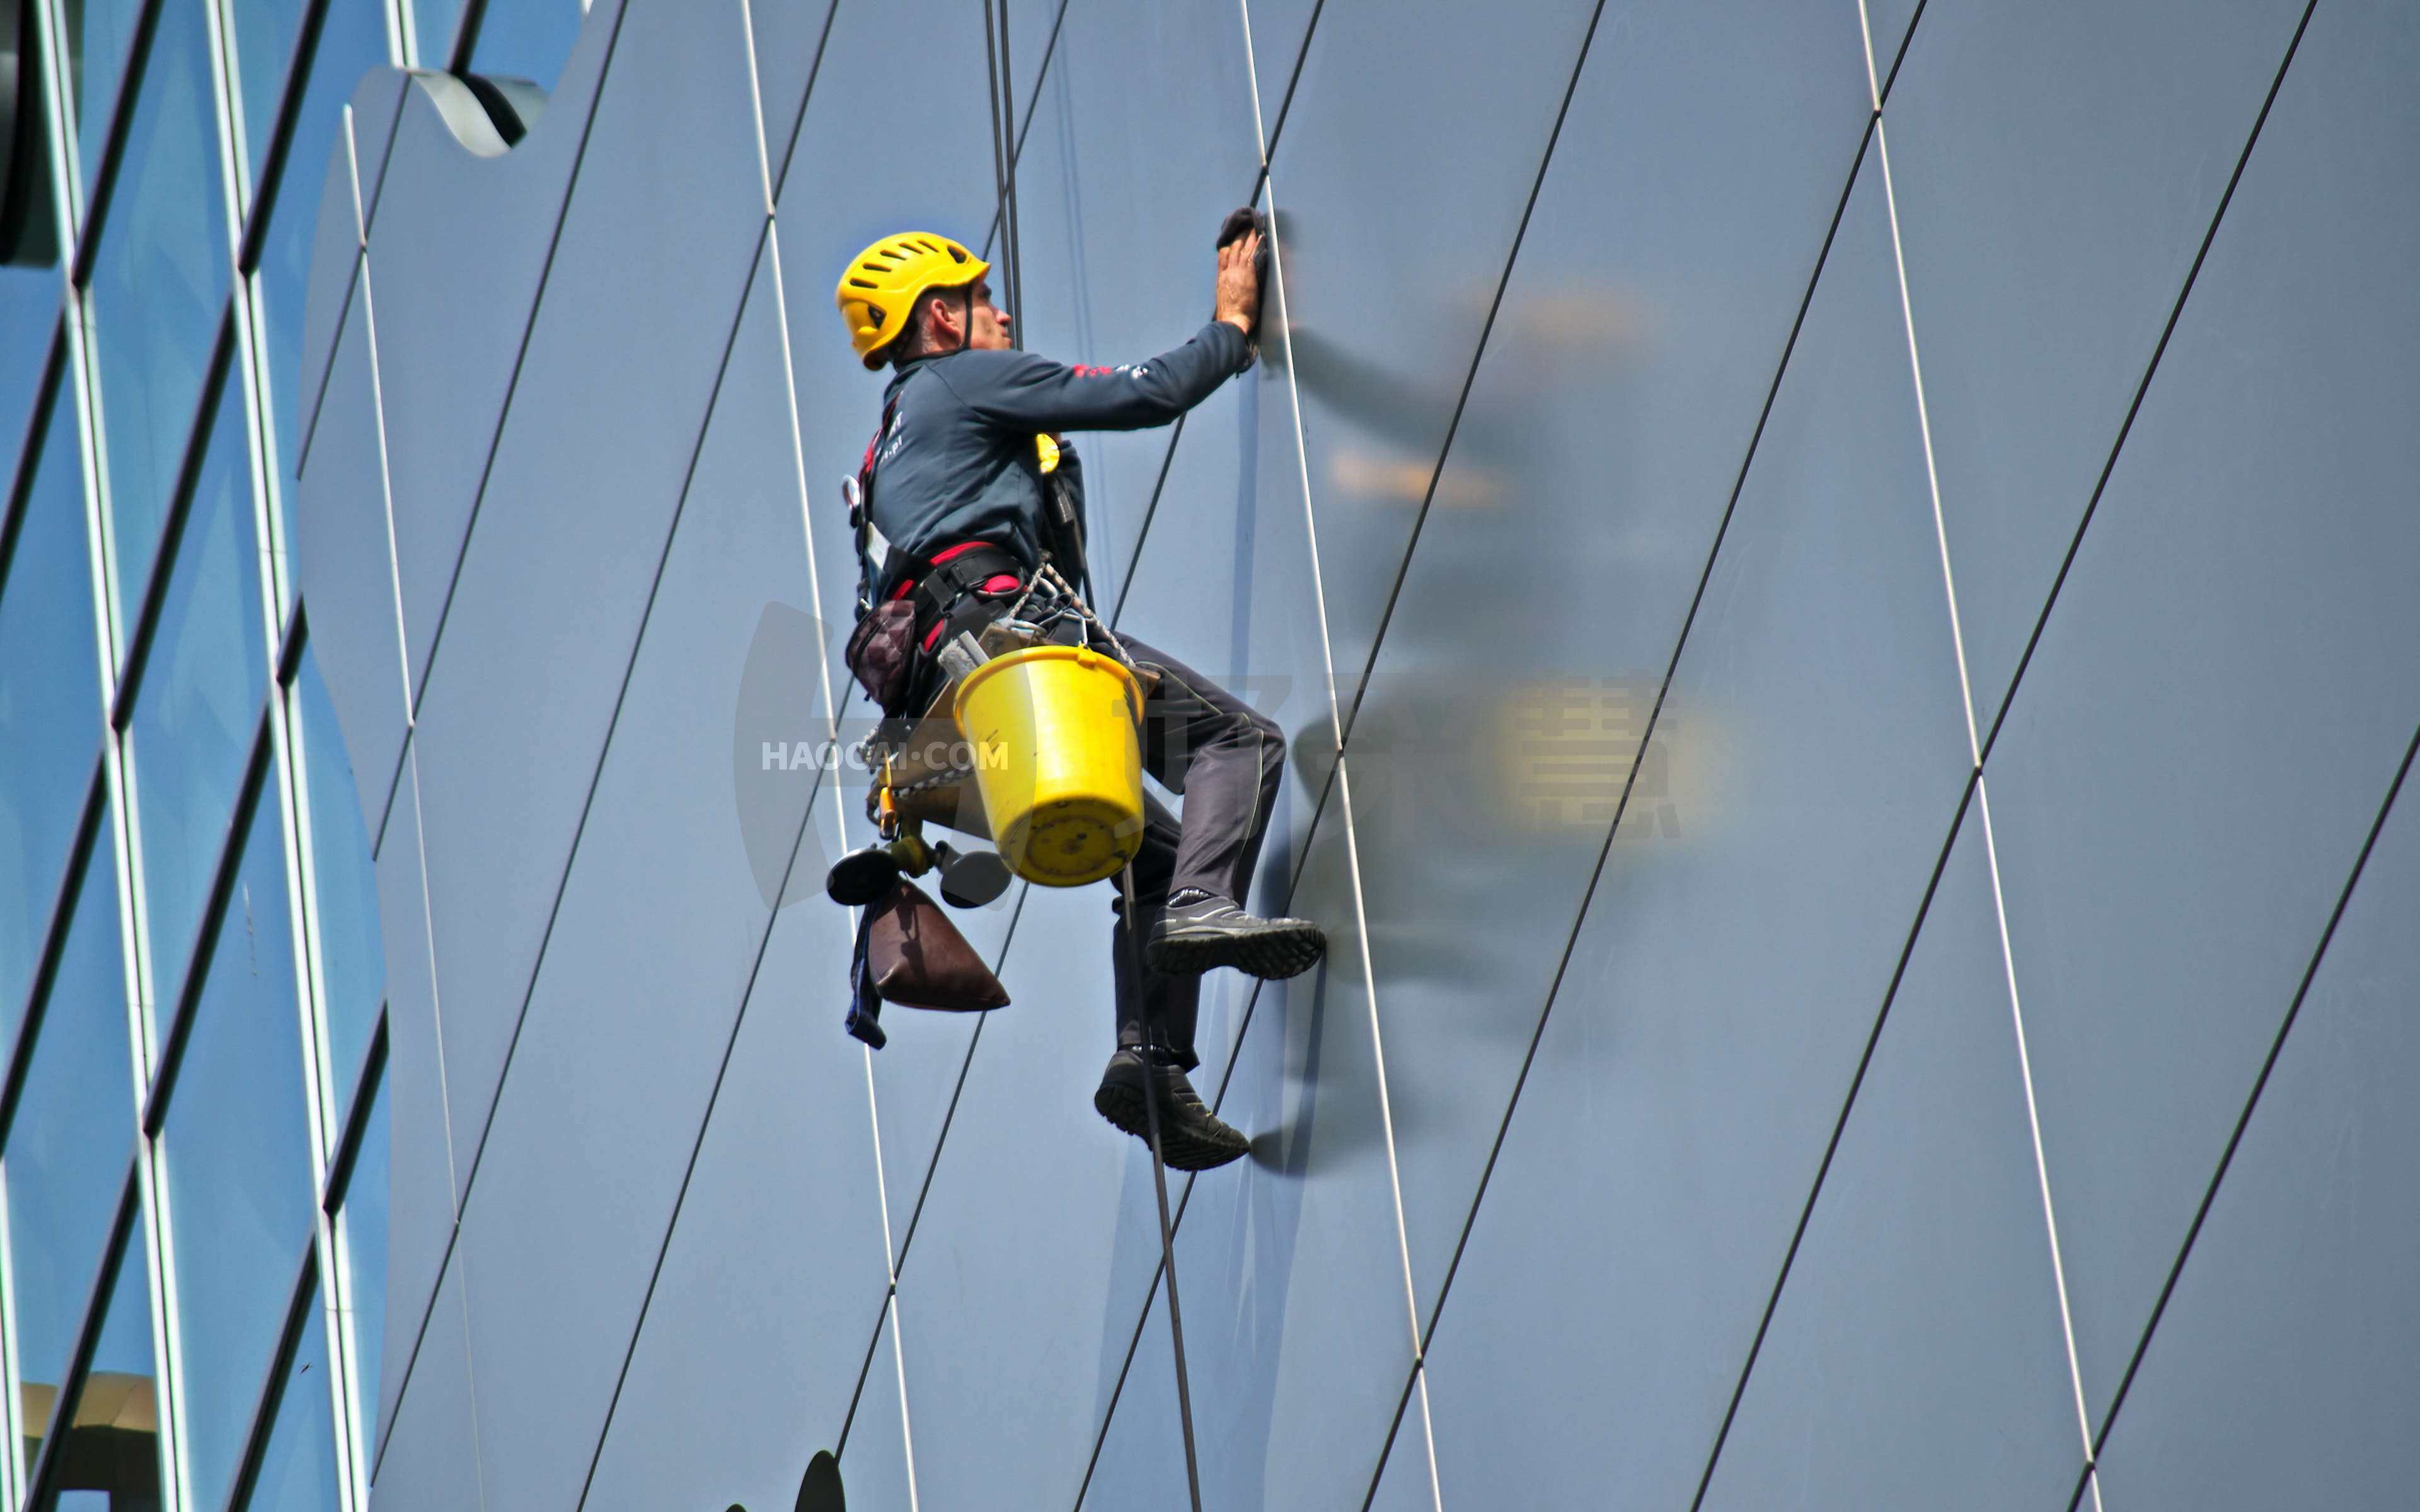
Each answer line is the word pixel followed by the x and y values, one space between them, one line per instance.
pixel 969 509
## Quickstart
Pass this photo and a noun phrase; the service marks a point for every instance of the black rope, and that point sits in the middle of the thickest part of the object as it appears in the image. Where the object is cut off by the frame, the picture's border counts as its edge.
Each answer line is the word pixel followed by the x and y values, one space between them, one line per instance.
pixel 1159 1189
pixel 1015 281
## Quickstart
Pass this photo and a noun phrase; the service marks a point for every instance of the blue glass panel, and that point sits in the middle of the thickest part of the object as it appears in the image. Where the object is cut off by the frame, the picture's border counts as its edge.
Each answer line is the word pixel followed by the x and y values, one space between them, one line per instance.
pixel 787 39
pixel 352 958
pixel 542 624
pixel 264 32
pixel 50 705
pixel 1115 229
pixel 1730 966
pixel 458 268
pixel 1668 251
pixel 1299 1329
pixel 1915 1358
pixel 159 283
pixel 527 39
pixel 433 22
pixel 69 1141
pixel 319 306
pixel 200 701
pixel 876 1462
pixel 423 1176
pixel 640 990
pixel 237 1147
pixel 2056 168
pixel 2219 700
pixel 98 33
pixel 786 1169
pixel 362 1229
pixel 1394 102
pixel 344 564
pixel 353 39
pixel 1142 1458
pixel 113 1456
pixel 2287 1361
pixel 29 313
pixel 298 1467
pixel 1010 1346
pixel 431 1458
pixel 1280 30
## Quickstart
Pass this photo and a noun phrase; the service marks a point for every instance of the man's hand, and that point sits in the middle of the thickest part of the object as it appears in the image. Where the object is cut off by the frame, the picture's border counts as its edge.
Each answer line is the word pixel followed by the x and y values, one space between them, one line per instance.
pixel 1239 283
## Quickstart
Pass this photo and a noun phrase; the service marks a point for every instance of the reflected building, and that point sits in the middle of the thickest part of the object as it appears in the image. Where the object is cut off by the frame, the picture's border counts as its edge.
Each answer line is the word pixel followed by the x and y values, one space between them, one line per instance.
pixel 194 1131
pixel 1837 579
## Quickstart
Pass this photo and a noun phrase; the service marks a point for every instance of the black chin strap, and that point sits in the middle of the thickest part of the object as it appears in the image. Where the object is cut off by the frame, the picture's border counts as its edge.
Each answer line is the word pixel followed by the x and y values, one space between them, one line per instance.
pixel 966 318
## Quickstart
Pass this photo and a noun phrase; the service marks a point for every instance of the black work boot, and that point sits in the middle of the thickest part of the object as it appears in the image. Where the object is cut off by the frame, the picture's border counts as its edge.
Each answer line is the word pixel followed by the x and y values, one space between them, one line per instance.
pixel 1209 931
pixel 1191 1137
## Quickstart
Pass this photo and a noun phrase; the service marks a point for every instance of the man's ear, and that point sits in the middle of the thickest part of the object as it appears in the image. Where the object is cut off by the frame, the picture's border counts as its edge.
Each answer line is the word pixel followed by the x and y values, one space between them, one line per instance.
pixel 945 322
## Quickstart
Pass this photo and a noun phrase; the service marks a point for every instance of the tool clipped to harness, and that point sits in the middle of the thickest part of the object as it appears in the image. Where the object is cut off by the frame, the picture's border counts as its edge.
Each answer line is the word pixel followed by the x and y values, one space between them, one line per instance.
pixel 1238 224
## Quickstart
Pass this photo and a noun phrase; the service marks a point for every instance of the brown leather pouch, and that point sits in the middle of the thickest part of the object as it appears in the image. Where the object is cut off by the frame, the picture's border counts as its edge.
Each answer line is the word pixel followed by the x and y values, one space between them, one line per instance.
pixel 881 652
pixel 918 958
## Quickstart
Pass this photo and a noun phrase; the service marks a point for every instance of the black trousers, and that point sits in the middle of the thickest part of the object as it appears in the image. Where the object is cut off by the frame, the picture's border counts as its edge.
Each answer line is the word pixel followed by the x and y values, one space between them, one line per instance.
pixel 1226 759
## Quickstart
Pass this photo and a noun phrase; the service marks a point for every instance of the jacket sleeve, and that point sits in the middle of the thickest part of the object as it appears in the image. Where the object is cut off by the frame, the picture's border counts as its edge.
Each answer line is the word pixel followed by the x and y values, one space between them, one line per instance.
pixel 1020 391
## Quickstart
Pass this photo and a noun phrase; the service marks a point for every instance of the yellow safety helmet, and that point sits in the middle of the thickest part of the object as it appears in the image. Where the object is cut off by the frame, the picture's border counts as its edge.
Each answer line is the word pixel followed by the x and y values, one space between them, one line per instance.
pixel 883 282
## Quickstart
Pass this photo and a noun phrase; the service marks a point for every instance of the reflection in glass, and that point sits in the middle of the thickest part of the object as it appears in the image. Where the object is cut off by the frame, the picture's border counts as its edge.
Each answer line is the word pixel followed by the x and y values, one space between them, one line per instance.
pixel 98 33
pixel 110 1460
pixel 264 32
pixel 526 39
pixel 353 41
pixel 159 283
pixel 352 957
pixel 50 705
pixel 298 1468
pixel 29 312
pixel 70 1143
pixel 432 23
pixel 360 1228
pixel 238 1156
pixel 199 703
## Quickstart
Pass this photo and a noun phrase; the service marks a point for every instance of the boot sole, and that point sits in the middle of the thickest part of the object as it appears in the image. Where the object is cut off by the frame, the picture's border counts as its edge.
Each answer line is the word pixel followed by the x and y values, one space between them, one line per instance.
pixel 1123 1108
pixel 1271 954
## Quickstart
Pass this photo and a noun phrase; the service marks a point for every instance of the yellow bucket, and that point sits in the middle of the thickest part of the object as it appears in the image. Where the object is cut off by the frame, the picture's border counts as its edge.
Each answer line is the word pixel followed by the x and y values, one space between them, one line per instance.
pixel 1054 731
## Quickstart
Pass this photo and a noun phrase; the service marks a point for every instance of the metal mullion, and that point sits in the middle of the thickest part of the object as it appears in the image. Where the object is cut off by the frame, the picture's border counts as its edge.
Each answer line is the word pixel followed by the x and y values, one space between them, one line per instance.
pixel 270 545
pixel 304 877
pixel 85 235
pixel 466 37
pixel 167 1332
pixel 398 32
pixel 352 1413
pixel 45 1467
pixel 260 200
pixel 197 961
pixel 311 1024
pixel 12 1403
pixel 235 173
pixel 274 165
pixel 337 1187
pixel 67 185
pixel 271 1393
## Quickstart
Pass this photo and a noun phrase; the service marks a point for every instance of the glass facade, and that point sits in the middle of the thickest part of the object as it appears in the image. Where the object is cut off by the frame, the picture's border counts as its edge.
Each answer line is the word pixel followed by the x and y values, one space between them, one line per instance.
pixel 192 1144
pixel 1836 581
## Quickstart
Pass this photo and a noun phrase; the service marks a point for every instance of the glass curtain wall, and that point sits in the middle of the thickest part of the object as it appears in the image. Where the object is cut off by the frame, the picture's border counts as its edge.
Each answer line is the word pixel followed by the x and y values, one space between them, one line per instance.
pixel 192 1169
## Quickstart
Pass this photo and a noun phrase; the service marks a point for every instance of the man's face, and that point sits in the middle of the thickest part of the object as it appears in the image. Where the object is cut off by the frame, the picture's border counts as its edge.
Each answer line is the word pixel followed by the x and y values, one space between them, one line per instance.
pixel 991 322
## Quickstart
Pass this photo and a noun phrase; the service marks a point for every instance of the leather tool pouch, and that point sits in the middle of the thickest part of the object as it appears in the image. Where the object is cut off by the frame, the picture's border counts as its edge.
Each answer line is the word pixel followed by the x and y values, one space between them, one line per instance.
pixel 881 652
pixel 915 956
